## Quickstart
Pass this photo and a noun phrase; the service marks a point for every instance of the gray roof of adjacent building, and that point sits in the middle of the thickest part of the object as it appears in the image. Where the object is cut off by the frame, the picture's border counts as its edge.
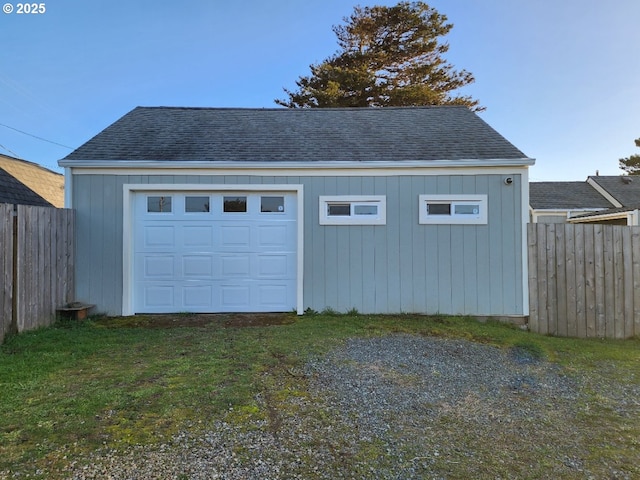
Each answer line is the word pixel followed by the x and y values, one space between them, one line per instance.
pixel 180 134
pixel 624 188
pixel 565 196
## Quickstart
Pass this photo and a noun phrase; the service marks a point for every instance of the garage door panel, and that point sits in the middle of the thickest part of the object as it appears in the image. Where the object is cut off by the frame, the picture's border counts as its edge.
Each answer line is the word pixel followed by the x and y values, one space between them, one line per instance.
pixel 235 266
pixel 273 265
pixel 159 236
pixel 194 266
pixel 235 297
pixel 273 295
pixel 159 266
pixel 235 236
pixel 196 297
pixel 158 297
pixel 273 236
pixel 197 236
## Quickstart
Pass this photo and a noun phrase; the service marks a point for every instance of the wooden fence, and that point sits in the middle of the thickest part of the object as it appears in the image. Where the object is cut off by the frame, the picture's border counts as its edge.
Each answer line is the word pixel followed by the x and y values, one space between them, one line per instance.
pixel 36 265
pixel 584 280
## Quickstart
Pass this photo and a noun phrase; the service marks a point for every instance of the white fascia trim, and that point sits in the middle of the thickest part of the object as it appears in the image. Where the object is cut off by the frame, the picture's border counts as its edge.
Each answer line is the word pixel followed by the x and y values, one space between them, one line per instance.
pixel 560 212
pixel 604 193
pixel 370 171
pixel 602 216
pixel 256 165
pixel 127 229
pixel 524 214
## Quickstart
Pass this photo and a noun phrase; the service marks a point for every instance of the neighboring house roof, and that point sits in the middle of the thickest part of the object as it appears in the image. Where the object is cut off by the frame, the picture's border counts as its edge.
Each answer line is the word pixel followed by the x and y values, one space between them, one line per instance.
pixel 45 183
pixel 623 188
pixel 298 135
pixel 15 192
pixel 608 211
pixel 628 215
pixel 565 195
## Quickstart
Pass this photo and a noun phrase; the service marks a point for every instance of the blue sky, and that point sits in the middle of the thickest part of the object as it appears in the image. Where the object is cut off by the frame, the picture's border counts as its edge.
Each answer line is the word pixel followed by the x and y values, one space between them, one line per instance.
pixel 560 78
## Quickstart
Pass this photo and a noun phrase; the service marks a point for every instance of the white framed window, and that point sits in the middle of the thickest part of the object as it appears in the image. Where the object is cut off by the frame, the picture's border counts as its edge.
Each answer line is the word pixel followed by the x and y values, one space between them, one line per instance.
pixel 453 209
pixel 353 210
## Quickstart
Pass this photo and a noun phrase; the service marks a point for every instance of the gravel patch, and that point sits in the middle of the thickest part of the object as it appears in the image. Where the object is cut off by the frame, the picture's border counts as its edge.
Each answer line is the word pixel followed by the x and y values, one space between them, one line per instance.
pixel 393 407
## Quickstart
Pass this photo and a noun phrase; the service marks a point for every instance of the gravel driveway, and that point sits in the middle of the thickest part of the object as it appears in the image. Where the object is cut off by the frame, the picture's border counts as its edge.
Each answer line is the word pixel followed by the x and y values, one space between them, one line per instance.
pixel 393 407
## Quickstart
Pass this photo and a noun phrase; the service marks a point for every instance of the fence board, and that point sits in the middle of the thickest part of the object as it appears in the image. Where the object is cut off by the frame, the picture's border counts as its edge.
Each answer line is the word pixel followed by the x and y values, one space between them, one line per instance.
pixel 569 233
pixel 6 269
pixel 584 280
pixel 598 265
pixel 589 283
pixel 580 316
pixel 618 268
pixel 635 268
pixel 609 284
pixel 627 265
pixel 533 262
pixel 561 279
pixel 552 314
pixel 543 319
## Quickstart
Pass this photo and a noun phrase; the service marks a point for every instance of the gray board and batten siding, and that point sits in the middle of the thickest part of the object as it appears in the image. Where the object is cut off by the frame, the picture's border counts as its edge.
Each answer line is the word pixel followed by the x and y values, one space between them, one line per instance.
pixel 403 265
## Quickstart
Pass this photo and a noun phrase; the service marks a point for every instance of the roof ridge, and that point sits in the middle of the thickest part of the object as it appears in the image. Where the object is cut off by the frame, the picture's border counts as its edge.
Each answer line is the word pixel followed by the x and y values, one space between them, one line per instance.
pixel 283 109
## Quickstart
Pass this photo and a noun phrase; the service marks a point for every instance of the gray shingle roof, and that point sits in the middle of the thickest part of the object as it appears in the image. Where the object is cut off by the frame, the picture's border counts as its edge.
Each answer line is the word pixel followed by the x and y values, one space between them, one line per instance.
pixel 565 195
pixel 15 192
pixel 624 188
pixel 282 135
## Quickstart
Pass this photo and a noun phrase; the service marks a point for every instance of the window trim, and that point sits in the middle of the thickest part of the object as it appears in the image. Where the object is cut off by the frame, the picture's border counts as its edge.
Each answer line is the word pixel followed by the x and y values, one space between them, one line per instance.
pixel 353 219
pixel 453 219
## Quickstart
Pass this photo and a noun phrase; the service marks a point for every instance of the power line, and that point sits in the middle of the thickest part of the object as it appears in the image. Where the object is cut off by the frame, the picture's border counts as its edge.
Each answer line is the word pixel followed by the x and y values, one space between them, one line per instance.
pixel 10 151
pixel 34 136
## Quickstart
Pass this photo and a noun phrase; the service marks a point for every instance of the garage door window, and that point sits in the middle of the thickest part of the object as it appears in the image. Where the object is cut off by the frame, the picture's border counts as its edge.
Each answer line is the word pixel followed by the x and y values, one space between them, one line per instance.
pixel 159 204
pixel 272 204
pixel 196 204
pixel 235 204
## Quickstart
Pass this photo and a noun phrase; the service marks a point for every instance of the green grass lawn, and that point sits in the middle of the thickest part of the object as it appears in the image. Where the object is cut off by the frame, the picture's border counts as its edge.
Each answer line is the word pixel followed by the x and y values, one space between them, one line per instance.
pixel 68 390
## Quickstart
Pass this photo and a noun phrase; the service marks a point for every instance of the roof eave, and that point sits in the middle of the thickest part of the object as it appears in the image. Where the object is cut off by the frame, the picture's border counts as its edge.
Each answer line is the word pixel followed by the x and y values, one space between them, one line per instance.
pixel 461 163
pixel 595 217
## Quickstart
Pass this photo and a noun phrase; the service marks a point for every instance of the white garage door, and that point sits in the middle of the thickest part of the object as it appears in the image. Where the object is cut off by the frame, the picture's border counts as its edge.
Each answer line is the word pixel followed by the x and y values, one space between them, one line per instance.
pixel 214 252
